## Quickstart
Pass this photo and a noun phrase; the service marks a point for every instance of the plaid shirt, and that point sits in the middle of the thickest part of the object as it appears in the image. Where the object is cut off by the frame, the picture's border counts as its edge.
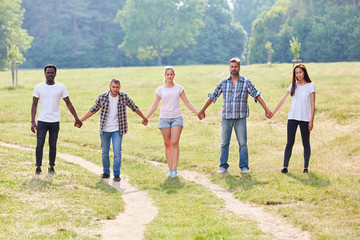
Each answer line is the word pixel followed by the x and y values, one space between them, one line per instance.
pixel 235 103
pixel 102 102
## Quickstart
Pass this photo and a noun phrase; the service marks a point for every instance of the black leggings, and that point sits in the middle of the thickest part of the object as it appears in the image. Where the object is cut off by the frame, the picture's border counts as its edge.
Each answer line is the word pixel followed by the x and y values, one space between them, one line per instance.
pixel 305 136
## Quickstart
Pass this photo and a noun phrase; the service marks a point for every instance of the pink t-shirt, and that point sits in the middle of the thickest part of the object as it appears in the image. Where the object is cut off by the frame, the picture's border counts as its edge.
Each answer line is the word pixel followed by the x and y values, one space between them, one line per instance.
pixel 170 106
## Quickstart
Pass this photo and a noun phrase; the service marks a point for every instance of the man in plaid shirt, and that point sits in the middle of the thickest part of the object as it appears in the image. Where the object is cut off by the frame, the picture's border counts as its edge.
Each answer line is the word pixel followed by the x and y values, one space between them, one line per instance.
pixel 235 110
pixel 113 124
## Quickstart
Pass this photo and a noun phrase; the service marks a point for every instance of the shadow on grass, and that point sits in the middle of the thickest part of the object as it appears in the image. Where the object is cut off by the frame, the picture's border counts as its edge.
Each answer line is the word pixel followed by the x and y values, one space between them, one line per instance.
pixel 245 181
pixel 37 183
pixel 103 186
pixel 310 179
pixel 171 185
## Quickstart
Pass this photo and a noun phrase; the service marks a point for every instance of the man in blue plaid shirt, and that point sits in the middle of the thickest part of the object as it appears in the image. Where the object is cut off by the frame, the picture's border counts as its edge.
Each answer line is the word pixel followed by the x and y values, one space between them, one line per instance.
pixel 235 110
pixel 113 124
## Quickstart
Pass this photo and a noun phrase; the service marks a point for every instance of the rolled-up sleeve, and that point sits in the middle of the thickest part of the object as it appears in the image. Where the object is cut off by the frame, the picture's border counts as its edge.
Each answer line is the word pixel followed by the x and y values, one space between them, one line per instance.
pixel 217 92
pixel 96 106
pixel 252 90
pixel 131 104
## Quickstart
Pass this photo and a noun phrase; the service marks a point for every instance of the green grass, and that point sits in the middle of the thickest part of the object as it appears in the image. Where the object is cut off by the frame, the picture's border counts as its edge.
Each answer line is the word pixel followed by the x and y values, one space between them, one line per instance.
pixel 324 202
pixel 67 205
pixel 187 210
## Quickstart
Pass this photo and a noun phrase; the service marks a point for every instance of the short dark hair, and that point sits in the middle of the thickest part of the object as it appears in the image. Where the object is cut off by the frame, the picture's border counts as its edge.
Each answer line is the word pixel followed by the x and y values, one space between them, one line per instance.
pixel 49 66
pixel 114 80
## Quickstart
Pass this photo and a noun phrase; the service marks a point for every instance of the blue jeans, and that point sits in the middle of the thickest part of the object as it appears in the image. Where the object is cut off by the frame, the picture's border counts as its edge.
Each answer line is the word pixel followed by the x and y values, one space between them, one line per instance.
pixel 42 129
pixel 105 148
pixel 239 126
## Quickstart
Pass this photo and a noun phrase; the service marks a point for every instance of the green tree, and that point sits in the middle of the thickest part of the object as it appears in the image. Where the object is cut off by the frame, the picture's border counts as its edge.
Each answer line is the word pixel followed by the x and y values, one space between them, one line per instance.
pixel 14 54
pixel 12 36
pixel 295 47
pixel 219 38
pixel 268 47
pixel 270 27
pixel 328 30
pixel 74 34
pixel 247 11
pixel 155 28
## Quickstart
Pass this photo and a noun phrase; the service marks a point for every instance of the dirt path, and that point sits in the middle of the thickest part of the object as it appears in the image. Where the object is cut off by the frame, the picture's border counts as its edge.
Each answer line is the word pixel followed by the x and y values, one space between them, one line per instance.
pixel 139 208
pixel 267 222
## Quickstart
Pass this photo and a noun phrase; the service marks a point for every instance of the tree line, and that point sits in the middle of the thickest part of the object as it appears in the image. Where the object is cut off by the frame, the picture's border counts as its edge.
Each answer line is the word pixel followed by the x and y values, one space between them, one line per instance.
pixel 327 30
pixel 113 33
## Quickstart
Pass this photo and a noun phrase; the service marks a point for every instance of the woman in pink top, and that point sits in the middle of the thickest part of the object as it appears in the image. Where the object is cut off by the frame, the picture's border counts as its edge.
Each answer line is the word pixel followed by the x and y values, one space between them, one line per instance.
pixel 170 119
pixel 302 111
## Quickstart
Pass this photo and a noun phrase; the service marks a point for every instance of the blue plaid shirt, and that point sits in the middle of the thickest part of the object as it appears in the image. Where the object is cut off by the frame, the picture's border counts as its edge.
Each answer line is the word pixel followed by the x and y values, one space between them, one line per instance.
pixel 102 103
pixel 235 103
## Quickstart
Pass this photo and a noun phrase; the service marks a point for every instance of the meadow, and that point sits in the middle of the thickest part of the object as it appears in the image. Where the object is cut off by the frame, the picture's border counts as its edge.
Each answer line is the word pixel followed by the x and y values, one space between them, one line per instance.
pixel 324 202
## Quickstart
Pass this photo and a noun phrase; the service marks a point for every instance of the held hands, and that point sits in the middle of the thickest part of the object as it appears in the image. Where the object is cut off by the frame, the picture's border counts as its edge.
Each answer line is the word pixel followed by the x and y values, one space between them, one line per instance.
pixel 269 114
pixel 78 123
pixel 201 115
pixel 145 121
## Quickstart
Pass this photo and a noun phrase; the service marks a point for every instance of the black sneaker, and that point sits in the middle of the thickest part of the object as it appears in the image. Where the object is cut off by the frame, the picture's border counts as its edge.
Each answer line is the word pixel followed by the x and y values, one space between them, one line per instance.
pixel 51 170
pixel 284 170
pixel 116 178
pixel 38 171
pixel 105 175
pixel 305 170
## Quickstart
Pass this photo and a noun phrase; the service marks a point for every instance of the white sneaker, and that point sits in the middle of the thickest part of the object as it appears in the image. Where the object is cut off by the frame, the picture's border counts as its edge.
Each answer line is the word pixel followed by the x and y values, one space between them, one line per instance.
pixel 169 173
pixel 245 170
pixel 221 170
pixel 174 173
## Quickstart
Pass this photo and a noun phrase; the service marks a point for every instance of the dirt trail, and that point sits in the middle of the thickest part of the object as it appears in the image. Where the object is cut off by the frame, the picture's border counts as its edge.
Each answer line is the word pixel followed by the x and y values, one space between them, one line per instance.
pixel 139 208
pixel 267 222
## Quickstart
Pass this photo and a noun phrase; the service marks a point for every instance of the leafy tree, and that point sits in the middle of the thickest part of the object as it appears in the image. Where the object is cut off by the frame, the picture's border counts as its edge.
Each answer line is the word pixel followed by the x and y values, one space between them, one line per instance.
pixel 156 28
pixel 268 28
pixel 14 54
pixel 12 36
pixel 247 11
pixel 268 47
pixel 74 34
pixel 218 41
pixel 328 30
pixel 295 46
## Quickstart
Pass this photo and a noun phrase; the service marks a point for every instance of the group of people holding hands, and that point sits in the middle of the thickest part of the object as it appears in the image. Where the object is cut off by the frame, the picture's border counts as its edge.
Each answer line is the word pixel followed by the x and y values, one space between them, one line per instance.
pixel 113 118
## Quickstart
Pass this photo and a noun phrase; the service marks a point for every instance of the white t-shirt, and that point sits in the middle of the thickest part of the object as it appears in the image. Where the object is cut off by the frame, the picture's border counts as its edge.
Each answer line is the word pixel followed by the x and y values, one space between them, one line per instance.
pixel 112 119
pixel 170 106
pixel 300 104
pixel 49 97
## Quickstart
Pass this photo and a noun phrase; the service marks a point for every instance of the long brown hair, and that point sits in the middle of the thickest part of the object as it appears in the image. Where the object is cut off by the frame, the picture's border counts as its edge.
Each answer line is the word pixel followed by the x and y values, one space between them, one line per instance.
pixel 306 77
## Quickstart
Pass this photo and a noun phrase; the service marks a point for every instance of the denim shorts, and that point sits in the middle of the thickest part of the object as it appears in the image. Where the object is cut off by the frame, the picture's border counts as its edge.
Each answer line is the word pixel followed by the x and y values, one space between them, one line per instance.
pixel 170 122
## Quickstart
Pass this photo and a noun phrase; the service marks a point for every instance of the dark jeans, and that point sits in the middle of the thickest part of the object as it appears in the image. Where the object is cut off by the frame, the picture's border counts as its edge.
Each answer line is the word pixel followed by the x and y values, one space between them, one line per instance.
pixel 305 137
pixel 42 128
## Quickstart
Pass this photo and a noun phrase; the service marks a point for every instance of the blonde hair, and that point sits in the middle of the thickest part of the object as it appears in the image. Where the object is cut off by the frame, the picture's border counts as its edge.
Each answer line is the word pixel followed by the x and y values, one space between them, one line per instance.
pixel 235 60
pixel 167 68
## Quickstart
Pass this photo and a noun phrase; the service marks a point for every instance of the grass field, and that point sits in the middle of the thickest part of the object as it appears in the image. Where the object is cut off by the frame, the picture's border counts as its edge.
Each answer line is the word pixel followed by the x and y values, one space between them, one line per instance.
pixel 324 202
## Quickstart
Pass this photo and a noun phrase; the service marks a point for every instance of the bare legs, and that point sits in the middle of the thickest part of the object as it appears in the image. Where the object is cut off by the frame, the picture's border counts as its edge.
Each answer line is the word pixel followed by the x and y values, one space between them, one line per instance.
pixel 171 138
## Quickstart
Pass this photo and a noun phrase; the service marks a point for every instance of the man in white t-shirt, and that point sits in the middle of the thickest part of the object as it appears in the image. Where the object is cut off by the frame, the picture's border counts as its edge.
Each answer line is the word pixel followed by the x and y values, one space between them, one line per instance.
pixel 113 124
pixel 49 94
